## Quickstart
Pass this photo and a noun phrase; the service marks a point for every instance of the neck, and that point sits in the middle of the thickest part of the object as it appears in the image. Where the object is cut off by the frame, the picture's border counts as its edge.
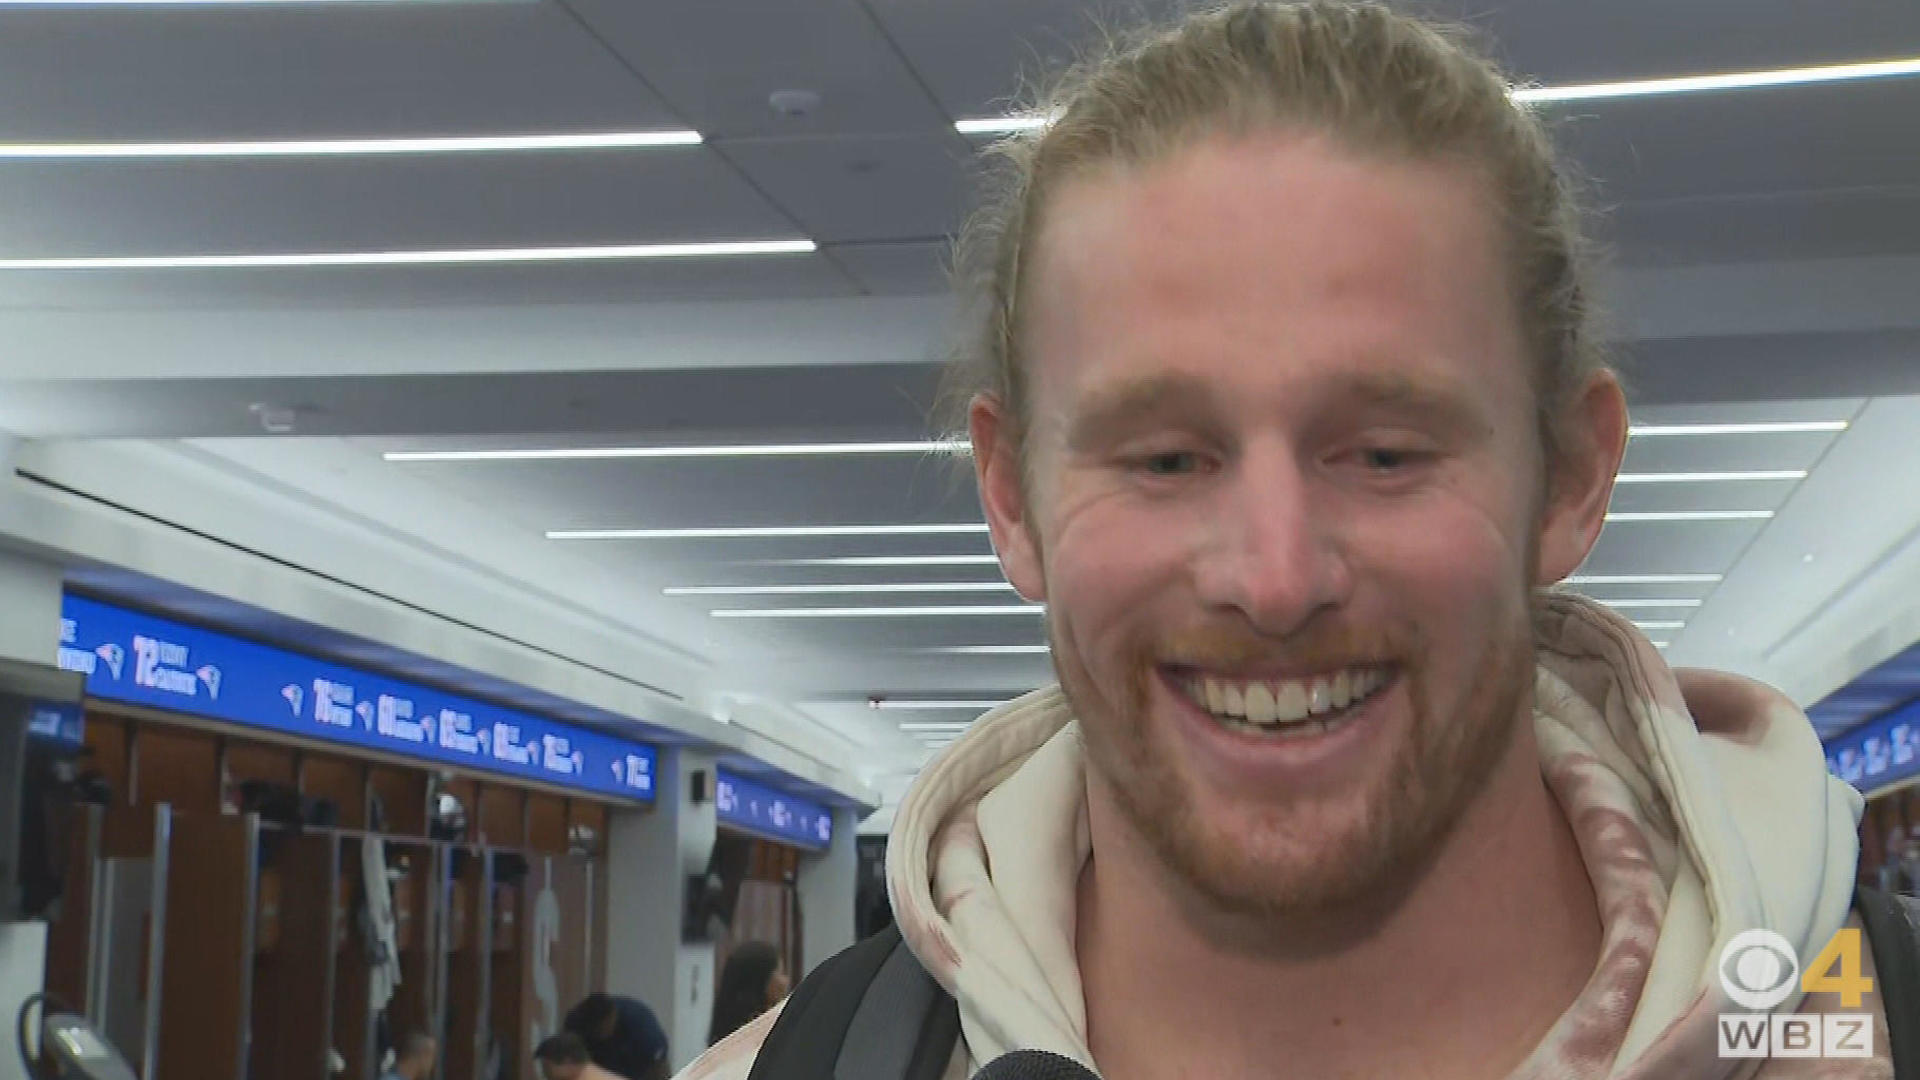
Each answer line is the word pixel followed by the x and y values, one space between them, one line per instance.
pixel 1496 938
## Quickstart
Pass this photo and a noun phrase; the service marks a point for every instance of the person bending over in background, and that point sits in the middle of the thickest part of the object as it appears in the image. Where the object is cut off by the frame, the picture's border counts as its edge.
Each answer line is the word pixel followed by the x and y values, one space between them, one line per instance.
pixel 1287 404
pixel 622 1036
pixel 415 1059
pixel 565 1057
pixel 752 982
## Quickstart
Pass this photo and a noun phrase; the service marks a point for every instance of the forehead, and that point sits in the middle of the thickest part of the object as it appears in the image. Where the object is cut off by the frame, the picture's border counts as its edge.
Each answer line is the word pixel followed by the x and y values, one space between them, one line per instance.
pixel 1270 257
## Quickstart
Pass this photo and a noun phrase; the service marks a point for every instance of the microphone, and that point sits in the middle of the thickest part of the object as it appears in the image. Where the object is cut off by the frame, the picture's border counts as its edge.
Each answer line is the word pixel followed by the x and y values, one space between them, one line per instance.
pixel 1034 1065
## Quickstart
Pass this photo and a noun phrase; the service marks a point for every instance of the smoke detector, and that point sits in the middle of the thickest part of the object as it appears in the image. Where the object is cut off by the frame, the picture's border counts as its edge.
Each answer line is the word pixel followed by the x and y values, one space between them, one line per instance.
pixel 794 104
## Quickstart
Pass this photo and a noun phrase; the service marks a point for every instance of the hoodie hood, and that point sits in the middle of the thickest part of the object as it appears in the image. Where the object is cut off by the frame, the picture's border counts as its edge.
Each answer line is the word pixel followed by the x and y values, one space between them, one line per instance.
pixel 1701 803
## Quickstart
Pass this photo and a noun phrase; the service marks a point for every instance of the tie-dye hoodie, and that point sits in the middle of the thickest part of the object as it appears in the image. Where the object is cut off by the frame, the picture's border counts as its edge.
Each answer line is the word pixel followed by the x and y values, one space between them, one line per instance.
pixel 1700 801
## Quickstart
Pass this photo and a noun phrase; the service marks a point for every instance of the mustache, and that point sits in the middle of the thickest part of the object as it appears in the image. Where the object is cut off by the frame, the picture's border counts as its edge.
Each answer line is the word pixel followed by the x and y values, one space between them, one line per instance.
pixel 1313 649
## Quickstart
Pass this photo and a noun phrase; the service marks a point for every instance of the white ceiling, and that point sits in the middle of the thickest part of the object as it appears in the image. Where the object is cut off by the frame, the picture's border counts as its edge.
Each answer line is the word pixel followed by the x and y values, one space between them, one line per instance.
pixel 1766 243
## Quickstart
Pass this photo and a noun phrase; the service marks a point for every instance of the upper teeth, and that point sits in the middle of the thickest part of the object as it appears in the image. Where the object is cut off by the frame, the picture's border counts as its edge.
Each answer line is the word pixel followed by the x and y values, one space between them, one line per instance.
pixel 1285 701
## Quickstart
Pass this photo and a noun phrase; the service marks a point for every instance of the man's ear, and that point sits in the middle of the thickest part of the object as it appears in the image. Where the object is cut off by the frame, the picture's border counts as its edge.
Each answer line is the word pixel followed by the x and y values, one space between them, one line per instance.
pixel 1593 440
pixel 997 466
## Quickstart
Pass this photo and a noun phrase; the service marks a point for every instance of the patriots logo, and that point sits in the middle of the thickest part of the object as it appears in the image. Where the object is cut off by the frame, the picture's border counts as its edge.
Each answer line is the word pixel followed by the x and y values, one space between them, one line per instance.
pixel 295 695
pixel 211 676
pixel 115 657
pixel 365 711
pixel 426 727
pixel 482 737
pixel 619 773
pixel 579 762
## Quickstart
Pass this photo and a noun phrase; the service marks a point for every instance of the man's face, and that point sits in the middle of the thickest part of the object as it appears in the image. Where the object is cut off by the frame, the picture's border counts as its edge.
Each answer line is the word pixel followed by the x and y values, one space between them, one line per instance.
pixel 553 1070
pixel 1282 459
pixel 423 1059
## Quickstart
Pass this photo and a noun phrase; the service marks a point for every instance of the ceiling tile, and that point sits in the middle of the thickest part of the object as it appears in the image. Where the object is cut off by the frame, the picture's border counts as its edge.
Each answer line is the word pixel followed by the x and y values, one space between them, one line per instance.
pixel 1852 135
pixel 796 277
pixel 902 269
pixel 288 71
pixel 717 63
pixel 1725 453
pixel 1829 224
pixel 865 188
pixel 1682 547
pixel 336 204
pixel 1723 495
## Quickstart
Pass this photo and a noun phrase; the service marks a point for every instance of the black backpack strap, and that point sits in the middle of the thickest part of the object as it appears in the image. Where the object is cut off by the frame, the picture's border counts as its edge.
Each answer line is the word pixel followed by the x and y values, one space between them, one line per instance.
pixel 870 1013
pixel 1892 923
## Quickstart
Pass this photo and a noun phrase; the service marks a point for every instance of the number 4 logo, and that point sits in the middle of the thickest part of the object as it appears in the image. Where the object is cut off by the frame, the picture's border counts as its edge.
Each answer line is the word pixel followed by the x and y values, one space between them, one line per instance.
pixel 1842 952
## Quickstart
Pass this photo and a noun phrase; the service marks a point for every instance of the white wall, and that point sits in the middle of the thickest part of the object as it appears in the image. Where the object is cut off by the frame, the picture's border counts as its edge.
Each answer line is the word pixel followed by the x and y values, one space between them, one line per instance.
pixel 29 630
pixel 828 885
pixel 650 854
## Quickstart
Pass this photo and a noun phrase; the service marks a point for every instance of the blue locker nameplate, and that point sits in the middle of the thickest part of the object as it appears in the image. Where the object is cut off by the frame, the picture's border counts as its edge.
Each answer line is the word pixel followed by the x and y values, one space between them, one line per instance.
pixel 145 660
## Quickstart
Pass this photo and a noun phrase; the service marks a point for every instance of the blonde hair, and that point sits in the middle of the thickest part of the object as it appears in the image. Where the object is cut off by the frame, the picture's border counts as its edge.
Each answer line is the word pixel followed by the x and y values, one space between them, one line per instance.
pixel 1368 77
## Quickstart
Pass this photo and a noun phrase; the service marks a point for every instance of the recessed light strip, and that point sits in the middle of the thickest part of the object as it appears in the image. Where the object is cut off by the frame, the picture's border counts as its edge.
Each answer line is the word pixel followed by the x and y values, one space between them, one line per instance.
pixel 460 144
pixel 1739 80
pixel 1643 579
pixel 828 590
pixel 469 257
pixel 989 650
pixel 600 453
pixel 1691 515
pixel 1624 88
pixel 1770 427
pixel 980 528
pixel 754 533
pixel 889 560
pixel 963 447
pixel 1626 604
pixel 1660 624
pixel 223 3
pixel 932 703
pixel 1710 477
pixel 877 612
pixel 1001 125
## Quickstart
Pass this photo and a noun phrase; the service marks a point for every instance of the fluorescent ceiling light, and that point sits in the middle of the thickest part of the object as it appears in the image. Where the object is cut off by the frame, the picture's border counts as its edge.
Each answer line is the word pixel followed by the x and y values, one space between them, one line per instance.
pixel 1643 579
pixel 460 144
pixel 990 650
pixel 1692 515
pixel 1624 604
pixel 1001 125
pixel 1710 477
pixel 415 258
pixel 822 590
pixel 1775 427
pixel 1660 644
pixel 942 726
pixel 217 3
pixel 1537 95
pixel 1741 80
pixel 764 533
pixel 876 612
pixel 933 703
pixel 891 560
pixel 201 3
pixel 1660 624
pixel 598 453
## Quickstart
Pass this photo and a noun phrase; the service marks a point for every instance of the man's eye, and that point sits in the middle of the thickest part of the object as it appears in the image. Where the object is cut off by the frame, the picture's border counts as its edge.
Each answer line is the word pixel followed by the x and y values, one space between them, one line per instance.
pixel 1389 459
pixel 1171 463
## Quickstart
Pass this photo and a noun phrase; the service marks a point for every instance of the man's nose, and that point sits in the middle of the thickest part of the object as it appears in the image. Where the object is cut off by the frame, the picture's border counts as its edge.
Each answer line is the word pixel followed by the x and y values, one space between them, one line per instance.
pixel 1272 551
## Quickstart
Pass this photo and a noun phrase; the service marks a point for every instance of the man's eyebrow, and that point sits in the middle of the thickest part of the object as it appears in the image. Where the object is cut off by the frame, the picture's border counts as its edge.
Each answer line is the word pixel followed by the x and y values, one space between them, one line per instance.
pixel 1118 407
pixel 1440 402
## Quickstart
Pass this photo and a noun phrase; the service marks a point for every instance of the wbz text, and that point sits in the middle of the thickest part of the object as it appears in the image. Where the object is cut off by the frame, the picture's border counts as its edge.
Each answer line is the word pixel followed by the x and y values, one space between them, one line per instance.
pixel 1759 970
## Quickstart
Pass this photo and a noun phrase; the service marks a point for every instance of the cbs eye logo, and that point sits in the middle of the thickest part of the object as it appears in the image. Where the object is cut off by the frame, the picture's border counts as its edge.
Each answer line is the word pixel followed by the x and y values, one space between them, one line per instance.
pixel 1759 969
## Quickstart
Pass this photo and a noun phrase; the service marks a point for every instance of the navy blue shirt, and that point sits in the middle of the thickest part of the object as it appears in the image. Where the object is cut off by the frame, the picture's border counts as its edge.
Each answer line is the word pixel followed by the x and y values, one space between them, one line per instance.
pixel 637 1049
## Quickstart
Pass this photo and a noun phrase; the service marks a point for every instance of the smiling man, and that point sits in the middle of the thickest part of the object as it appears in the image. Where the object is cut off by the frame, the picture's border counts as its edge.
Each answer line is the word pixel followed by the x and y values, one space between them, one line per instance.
pixel 1288 408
